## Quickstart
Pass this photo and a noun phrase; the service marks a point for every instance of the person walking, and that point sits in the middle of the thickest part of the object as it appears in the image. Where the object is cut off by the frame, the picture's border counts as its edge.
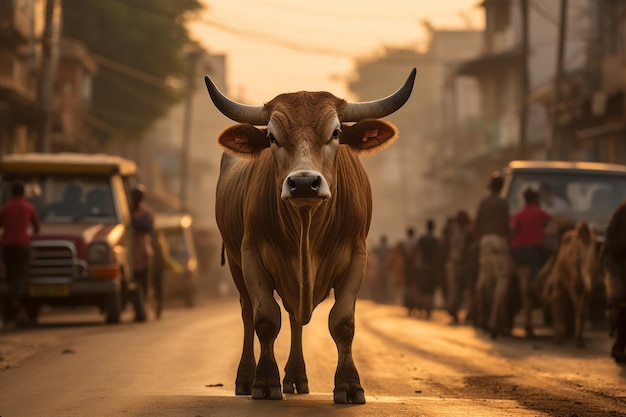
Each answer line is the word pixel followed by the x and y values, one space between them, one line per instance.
pixel 492 233
pixel 446 233
pixel 19 221
pixel 613 261
pixel 429 268
pixel 143 250
pixel 409 253
pixel 527 248
pixel 457 263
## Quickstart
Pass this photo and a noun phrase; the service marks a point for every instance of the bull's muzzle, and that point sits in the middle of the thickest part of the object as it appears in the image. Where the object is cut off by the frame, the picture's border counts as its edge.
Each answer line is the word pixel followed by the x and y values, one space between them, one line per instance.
pixel 305 185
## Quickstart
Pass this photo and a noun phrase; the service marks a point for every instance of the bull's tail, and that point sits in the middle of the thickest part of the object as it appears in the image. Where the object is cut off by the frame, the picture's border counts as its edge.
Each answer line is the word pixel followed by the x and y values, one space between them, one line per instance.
pixel 223 257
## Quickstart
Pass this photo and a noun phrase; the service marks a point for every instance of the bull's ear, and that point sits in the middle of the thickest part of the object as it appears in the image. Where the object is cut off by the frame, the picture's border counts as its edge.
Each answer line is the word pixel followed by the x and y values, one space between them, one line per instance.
pixel 243 140
pixel 369 135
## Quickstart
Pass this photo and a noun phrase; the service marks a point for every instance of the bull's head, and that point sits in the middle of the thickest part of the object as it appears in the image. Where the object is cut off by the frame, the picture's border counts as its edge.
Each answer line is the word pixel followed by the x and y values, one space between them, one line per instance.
pixel 304 131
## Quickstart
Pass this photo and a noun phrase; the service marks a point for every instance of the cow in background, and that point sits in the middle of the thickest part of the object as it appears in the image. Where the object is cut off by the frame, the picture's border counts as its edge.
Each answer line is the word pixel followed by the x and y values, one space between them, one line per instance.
pixel 293 206
pixel 571 278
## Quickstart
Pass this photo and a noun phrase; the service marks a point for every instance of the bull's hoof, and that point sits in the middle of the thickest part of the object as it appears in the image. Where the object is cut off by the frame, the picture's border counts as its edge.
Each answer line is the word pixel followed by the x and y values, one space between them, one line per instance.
pixel 243 389
pixel 293 385
pixel 266 393
pixel 349 394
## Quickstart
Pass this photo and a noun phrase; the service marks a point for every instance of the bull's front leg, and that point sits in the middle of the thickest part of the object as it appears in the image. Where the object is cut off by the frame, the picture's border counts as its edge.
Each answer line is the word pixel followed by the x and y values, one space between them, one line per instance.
pixel 267 322
pixel 348 387
pixel 295 370
pixel 580 300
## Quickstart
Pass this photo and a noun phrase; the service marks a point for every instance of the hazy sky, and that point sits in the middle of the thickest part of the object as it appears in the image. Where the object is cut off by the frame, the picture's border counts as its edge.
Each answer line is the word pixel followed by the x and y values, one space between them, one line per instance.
pixel 276 46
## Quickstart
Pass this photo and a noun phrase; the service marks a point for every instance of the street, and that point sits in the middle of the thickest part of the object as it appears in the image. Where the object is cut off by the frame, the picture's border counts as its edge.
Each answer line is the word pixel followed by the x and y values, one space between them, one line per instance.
pixel 184 365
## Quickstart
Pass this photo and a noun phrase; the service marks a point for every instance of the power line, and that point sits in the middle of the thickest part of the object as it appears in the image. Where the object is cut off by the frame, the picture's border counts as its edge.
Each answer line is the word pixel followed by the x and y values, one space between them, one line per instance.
pixel 101 125
pixel 292 8
pixel 146 98
pixel 130 71
pixel 266 38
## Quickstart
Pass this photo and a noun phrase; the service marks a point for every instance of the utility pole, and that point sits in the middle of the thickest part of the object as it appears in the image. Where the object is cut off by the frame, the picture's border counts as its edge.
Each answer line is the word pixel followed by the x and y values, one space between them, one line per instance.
pixel 187 117
pixel 555 150
pixel 50 60
pixel 523 115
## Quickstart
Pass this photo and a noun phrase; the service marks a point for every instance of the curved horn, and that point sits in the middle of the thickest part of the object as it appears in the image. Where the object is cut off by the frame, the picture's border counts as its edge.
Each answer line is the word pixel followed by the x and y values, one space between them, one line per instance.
pixel 353 112
pixel 242 113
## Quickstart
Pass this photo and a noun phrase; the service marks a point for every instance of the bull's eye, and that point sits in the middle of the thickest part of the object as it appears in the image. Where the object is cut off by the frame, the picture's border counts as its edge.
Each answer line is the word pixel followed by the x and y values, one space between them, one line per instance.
pixel 336 134
pixel 272 139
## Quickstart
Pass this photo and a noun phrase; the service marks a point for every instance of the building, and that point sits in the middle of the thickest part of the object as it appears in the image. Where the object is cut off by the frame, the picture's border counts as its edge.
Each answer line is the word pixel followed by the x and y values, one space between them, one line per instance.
pixel 591 112
pixel 28 111
pixel 403 195
pixel 476 144
pixel 70 124
pixel 21 24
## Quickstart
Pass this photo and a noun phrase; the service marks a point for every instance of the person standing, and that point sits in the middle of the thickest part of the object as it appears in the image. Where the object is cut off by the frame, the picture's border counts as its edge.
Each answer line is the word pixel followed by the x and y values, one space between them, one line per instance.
pixel 492 233
pixel 613 261
pixel 527 246
pixel 16 218
pixel 143 250
pixel 429 268
pixel 408 250
pixel 381 252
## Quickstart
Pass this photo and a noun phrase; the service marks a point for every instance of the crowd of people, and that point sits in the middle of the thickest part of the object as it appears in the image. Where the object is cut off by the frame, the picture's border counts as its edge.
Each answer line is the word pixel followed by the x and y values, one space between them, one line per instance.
pixel 492 267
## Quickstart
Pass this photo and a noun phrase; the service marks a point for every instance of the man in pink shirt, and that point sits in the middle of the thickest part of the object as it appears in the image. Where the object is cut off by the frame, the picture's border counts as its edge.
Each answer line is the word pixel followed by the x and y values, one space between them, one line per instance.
pixel 528 233
pixel 16 217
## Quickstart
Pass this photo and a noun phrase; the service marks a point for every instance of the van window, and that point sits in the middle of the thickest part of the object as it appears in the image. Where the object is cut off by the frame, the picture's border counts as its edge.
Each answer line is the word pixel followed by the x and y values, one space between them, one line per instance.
pixel 67 198
pixel 581 195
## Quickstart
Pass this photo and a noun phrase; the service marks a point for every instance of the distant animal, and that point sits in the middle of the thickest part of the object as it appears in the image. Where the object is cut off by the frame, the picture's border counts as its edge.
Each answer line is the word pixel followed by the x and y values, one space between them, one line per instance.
pixel 570 279
pixel 293 206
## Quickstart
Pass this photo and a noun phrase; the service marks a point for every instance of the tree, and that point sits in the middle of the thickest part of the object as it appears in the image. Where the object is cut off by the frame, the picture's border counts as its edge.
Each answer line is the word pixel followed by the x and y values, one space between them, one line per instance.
pixel 130 38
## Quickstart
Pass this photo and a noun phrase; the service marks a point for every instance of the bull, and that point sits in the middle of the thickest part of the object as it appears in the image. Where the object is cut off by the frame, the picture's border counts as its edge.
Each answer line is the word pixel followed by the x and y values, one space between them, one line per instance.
pixel 571 278
pixel 293 207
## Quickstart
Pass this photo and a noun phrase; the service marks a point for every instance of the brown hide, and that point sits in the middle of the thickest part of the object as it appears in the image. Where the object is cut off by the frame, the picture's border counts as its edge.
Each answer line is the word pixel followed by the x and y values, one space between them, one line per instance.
pixel 337 227
pixel 571 278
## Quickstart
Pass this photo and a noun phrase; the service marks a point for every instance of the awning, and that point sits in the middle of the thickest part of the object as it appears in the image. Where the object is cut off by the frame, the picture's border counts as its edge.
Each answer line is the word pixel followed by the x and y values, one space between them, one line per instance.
pixel 600 131
pixel 488 62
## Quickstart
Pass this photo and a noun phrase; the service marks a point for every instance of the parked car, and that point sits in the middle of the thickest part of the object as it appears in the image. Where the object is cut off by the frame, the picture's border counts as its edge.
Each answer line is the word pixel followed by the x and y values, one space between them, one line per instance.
pixel 180 262
pixel 578 191
pixel 81 255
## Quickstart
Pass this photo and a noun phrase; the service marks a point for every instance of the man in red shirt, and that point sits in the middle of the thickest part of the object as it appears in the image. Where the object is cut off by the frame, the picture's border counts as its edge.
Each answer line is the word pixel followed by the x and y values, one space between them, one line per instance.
pixel 16 217
pixel 528 233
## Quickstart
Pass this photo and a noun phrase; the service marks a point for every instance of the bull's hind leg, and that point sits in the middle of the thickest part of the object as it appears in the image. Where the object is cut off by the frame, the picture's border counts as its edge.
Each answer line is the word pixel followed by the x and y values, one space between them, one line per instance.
pixel 295 370
pixel 247 363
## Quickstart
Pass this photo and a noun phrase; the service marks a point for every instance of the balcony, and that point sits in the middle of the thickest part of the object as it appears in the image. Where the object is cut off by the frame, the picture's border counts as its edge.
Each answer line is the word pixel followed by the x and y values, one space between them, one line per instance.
pixel 21 21
pixel 16 83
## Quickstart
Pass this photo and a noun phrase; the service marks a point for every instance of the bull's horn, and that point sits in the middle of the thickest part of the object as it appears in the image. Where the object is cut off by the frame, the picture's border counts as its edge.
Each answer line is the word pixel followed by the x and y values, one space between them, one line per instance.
pixel 353 112
pixel 242 113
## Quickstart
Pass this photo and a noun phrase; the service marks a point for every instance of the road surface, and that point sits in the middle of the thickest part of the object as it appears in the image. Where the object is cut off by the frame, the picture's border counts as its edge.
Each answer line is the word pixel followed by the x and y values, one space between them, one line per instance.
pixel 185 364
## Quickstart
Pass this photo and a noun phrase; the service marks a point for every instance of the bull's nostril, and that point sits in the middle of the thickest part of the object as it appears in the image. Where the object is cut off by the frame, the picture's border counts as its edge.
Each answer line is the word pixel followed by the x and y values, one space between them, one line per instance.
pixel 291 184
pixel 315 185
pixel 304 186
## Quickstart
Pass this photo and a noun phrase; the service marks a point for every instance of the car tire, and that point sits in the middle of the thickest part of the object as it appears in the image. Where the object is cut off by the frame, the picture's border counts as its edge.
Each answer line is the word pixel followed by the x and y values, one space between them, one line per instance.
pixel 113 309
